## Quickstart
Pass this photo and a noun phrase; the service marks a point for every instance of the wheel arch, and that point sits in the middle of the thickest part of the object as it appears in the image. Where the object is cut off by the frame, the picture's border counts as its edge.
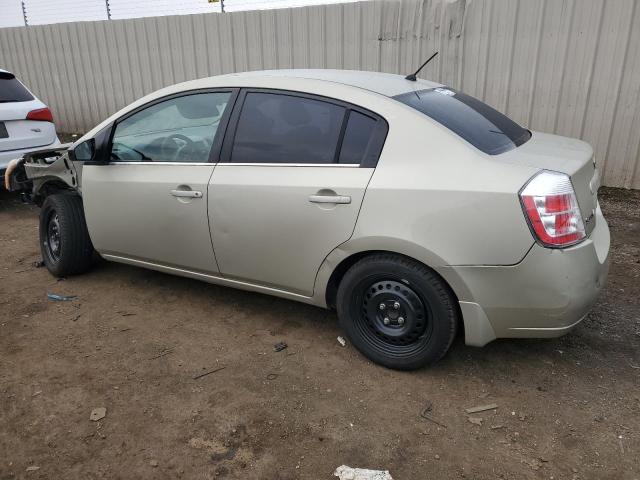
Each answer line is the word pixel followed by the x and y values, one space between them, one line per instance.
pixel 474 324
pixel 346 255
pixel 330 288
pixel 50 186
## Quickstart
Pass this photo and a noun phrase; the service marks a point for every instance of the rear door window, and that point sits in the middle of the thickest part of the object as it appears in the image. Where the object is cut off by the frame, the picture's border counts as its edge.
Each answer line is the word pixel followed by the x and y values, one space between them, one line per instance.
pixel 476 122
pixel 11 90
pixel 281 128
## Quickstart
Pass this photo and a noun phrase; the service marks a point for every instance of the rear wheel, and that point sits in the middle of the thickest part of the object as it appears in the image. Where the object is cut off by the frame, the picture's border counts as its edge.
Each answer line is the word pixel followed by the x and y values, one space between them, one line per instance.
pixel 397 312
pixel 64 240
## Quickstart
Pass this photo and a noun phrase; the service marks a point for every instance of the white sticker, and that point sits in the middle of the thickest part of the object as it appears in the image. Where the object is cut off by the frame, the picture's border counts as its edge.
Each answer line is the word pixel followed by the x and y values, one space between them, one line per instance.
pixel 445 91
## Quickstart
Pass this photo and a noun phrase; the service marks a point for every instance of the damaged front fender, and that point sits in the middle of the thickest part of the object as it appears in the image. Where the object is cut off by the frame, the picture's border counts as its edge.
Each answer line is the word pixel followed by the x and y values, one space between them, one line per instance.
pixel 39 170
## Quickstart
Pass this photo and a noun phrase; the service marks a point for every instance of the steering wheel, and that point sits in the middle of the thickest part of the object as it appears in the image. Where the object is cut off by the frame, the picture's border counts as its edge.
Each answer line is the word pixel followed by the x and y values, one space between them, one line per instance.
pixel 175 147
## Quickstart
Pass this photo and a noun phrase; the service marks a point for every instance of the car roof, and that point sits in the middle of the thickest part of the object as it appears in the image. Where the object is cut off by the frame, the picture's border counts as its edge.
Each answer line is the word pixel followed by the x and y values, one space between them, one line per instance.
pixel 308 80
pixel 387 84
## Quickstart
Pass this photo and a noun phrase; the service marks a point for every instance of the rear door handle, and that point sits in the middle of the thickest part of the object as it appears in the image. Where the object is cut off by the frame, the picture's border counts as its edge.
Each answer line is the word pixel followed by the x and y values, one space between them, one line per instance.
pixel 186 193
pixel 329 199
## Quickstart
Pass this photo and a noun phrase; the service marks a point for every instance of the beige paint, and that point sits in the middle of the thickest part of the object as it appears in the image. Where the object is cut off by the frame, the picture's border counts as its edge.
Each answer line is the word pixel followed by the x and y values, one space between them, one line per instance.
pixel 131 212
pixel 256 213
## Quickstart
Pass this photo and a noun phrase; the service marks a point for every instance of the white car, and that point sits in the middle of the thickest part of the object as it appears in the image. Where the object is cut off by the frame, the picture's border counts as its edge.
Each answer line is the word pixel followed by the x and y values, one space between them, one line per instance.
pixel 26 123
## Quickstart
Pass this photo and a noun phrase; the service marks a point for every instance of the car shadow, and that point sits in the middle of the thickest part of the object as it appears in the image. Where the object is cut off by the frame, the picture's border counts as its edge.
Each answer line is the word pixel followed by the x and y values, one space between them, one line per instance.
pixel 502 356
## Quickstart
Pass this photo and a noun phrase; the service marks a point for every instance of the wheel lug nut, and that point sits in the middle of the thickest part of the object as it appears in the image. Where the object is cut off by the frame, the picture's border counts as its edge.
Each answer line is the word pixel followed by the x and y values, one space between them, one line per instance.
pixel 386 321
pixel 396 305
pixel 400 320
pixel 382 306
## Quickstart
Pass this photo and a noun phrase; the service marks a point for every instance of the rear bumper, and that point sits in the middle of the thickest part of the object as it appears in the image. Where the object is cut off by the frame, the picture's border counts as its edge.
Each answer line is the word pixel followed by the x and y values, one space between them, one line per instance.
pixel 545 295
pixel 6 157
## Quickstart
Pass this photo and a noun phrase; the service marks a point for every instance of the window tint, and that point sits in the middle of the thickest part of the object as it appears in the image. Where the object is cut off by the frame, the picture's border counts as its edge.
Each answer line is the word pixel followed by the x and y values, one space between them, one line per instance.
pixel 275 128
pixel 475 121
pixel 181 129
pixel 11 90
pixel 356 138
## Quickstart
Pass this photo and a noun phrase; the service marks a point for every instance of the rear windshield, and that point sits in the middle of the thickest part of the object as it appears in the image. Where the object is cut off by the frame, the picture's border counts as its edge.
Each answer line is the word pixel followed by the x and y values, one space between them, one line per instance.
pixel 482 126
pixel 11 90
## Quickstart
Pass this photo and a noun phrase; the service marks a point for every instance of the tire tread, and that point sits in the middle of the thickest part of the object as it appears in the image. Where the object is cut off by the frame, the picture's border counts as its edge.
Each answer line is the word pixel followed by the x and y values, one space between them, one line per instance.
pixel 77 250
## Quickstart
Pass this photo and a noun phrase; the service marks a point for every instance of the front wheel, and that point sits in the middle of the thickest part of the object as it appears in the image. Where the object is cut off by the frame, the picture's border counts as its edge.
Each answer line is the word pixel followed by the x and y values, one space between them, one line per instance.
pixel 64 239
pixel 397 312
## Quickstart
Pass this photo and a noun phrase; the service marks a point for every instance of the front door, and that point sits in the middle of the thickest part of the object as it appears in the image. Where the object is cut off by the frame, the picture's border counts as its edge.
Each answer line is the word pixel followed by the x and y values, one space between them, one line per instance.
pixel 290 188
pixel 149 202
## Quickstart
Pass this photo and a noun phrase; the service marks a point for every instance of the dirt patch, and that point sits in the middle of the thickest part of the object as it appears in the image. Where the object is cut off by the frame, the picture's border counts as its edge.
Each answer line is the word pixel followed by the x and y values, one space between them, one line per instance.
pixel 134 340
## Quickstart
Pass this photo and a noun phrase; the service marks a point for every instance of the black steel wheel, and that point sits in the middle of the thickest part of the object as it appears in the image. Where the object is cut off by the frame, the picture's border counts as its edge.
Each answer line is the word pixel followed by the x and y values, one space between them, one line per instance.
pixel 396 311
pixel 394 316
pixel 52 236
pixel 64 240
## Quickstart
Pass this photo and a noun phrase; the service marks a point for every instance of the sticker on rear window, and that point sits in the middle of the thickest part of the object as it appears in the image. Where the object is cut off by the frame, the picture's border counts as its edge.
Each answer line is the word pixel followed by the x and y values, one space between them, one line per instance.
pixel 445 91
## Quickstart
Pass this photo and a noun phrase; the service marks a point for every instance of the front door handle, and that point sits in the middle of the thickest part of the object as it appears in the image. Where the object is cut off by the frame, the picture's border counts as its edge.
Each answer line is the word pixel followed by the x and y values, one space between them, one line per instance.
pixel 186 193
pixel 329 199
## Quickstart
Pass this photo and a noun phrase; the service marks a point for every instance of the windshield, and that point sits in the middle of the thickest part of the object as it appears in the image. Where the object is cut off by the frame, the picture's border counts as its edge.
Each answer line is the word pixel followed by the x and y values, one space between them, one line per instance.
pixel 482 126
pixel 11 90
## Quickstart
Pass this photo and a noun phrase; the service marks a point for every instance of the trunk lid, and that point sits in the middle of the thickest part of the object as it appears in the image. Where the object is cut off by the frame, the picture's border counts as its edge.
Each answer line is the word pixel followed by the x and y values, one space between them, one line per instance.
pixel 17 133
pixel 567 155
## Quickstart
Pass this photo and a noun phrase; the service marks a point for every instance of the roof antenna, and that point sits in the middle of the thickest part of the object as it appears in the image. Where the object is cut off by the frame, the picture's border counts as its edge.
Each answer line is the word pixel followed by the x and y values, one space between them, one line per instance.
pixel 412 76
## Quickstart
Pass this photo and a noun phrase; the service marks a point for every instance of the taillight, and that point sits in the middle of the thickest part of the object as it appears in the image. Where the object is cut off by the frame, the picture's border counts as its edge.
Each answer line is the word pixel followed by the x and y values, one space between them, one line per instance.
pixel 551 206
pixel 41 115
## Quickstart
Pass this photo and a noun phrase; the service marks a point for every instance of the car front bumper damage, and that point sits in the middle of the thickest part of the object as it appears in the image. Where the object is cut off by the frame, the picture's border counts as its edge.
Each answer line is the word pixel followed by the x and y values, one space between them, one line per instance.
pixel 36 167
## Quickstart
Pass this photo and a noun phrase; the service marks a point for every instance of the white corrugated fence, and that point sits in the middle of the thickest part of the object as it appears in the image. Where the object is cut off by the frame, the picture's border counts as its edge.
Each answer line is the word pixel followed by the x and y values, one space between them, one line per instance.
pixel 566 66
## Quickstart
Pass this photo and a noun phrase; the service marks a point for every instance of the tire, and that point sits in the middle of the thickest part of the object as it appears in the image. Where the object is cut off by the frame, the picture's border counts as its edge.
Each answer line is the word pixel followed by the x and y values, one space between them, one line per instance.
pixel 420 316
pixel 64 240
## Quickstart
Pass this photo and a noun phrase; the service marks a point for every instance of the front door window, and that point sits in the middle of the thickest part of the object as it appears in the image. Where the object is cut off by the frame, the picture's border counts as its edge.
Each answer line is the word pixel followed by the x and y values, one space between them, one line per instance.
pixel 180 129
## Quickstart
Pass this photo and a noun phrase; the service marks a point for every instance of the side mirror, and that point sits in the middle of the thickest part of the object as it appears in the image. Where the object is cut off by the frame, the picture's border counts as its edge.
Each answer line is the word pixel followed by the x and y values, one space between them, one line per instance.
pixel 85 151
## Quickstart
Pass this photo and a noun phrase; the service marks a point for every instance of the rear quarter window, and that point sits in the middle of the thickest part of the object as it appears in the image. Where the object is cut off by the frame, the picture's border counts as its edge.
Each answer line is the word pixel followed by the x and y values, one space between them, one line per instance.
pixel 357 137
pixel 11 90
pixel 476 122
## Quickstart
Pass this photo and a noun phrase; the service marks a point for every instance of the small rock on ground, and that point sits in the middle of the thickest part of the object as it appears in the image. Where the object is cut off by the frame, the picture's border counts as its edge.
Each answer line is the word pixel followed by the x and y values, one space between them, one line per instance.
pixel 98 414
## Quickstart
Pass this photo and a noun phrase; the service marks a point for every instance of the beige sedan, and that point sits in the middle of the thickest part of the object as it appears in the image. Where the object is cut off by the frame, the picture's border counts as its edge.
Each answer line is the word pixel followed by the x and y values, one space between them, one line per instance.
pixel 413 209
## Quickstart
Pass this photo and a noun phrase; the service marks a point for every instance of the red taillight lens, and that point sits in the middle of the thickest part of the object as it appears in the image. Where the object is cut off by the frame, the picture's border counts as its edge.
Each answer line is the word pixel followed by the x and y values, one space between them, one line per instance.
pixel 41 115
pixel 552 209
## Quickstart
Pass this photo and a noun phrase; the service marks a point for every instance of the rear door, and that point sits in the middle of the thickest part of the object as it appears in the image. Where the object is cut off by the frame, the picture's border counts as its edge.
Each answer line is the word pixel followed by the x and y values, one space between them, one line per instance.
pixel 149 203
pixel 16 102
pixel 288 191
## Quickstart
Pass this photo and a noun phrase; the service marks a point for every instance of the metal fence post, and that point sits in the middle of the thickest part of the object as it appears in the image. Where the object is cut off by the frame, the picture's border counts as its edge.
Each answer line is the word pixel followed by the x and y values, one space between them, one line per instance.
pixel 106 4
pixel 24 14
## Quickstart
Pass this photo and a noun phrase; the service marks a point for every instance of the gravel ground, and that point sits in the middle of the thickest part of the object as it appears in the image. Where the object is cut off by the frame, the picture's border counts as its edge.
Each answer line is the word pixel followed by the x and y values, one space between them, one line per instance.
pixel 133 340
